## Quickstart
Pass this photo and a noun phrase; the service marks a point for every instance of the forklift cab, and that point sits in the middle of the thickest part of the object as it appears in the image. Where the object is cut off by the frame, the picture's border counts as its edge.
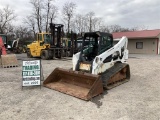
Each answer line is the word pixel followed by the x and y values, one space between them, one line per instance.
pixel 44 38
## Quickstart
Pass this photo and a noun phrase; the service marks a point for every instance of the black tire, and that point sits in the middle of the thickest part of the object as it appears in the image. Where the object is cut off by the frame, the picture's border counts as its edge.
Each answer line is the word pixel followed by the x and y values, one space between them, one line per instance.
pixel 17 50
pixel 29 53
pixel 44 55
pixel 58 54
pixel 50 53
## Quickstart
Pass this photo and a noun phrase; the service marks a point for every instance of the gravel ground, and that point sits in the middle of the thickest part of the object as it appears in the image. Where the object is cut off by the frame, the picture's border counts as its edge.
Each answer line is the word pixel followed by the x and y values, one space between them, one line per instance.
pixel 138 99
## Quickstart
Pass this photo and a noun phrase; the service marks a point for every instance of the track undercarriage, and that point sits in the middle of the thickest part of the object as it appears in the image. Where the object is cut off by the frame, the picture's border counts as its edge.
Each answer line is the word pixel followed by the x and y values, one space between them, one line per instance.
pixel 116 75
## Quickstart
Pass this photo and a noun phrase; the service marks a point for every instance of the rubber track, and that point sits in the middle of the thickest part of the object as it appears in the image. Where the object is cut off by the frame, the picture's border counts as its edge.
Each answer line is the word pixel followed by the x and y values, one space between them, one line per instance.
pixel 106 76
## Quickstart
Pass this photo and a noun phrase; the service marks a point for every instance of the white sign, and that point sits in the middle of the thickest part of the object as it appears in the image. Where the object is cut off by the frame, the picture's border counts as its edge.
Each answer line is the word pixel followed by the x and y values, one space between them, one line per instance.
pixel 31 73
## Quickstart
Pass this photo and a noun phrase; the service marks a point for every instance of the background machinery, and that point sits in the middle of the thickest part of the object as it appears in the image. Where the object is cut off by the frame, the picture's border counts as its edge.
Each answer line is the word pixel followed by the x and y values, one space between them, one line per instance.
pixel 11 44
pixel 15 46
pixel 48 45
pixel 74 43
pixel 6 60
pixel 98 66
pixel 71 44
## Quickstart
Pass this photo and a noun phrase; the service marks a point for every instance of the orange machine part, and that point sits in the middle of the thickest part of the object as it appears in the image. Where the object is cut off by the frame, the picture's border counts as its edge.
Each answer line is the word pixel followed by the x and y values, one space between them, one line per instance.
pixel 2 47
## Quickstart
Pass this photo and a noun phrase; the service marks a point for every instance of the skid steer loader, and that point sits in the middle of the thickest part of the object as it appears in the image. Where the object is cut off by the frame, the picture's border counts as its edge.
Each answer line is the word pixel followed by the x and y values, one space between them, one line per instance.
pixel 98 66
pixel 6 60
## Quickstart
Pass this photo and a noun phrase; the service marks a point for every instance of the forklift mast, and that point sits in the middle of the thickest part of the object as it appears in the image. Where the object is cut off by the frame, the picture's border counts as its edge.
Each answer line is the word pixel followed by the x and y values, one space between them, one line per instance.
pixel 56 32
pixel 73 47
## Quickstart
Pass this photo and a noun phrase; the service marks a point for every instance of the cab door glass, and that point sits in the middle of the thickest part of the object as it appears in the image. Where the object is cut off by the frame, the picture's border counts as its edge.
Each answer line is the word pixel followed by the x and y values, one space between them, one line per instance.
pixel 47 38
pixel 40 37
pixel 106 43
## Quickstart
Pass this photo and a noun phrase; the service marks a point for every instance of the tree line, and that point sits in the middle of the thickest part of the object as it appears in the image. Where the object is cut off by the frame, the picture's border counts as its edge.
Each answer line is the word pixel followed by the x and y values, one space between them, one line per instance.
pixel 45 12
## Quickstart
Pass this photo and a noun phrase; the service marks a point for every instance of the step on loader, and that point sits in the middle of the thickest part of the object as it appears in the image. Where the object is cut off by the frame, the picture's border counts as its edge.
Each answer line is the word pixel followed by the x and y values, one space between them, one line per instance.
pixel 98 66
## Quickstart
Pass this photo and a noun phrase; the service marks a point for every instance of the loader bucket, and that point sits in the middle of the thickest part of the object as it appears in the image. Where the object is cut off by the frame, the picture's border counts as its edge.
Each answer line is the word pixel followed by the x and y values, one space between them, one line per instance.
pixel 77 84
pixel 7 61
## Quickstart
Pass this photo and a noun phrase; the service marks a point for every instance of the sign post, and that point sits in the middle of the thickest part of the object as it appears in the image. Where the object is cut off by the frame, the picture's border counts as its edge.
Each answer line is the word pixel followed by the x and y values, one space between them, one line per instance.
pixel 31 73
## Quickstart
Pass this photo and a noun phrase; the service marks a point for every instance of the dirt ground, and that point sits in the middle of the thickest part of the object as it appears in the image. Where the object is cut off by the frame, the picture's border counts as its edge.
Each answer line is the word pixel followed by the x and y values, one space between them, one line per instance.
pixel 138 99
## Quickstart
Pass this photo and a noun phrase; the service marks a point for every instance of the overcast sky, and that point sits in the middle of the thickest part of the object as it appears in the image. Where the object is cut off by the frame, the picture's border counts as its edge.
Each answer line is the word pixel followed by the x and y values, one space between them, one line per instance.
pixel 126 13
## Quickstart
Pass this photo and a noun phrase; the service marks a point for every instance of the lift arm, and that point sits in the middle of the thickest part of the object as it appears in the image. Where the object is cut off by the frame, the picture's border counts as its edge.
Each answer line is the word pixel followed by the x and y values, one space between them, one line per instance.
pixel 118 52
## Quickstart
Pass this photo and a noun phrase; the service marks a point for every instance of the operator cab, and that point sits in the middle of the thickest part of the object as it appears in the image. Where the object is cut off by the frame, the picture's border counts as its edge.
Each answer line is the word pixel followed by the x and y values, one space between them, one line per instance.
pixel 44 38
pixel 47 38
pixel 95 43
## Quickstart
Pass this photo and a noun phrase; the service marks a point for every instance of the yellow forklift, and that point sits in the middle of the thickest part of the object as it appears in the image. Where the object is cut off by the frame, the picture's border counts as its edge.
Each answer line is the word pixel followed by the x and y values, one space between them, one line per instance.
pixel 48 45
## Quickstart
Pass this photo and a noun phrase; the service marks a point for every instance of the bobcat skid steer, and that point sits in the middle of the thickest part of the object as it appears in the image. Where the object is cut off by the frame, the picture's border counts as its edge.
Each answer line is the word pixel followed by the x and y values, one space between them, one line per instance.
pixel 98 66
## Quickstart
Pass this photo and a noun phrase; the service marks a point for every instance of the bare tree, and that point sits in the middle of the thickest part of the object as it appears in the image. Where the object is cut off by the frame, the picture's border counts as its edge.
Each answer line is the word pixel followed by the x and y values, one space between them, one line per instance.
pixel 68 11
pixel 78 23
pixel 30 22
pixel 43 13
pixel 9 28
pixel 104 28
pixel 90 17
pixel 6 17
pixel 117 28
pixel 53 13
pixel 50 13
pixel 85 23
pixel 81 22
pixel 96 23
pixel 37 12
pixel 141 27
pixel 48 6
pixel 23 33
